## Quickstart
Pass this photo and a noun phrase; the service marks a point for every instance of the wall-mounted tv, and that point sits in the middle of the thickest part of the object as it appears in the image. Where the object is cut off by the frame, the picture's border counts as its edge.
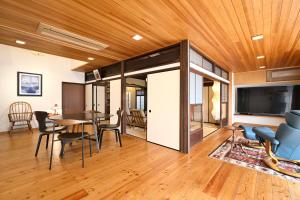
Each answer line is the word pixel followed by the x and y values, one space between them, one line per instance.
pixel 268 100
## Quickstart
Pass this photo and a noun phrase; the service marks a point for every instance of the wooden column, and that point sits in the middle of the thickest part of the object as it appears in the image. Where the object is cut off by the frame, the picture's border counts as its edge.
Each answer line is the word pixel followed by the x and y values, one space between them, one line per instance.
pixel 184 96
pixel 123 98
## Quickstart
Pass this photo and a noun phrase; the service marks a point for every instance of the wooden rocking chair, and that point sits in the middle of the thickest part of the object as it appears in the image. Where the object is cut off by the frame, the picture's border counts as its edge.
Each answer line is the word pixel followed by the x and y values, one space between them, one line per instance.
pixel 20 114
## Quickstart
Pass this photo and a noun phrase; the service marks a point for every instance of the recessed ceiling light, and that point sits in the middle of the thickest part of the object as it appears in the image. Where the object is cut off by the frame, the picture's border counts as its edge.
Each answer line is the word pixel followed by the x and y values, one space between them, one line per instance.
pixel 262 67
pixel 20 42
pixel 257 37
pixel 260 57
pixel 91 58
pixel 137 37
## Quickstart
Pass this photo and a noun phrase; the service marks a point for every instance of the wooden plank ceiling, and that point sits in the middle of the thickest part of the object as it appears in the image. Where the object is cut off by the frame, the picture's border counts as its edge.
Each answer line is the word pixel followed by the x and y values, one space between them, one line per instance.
pixel 221 29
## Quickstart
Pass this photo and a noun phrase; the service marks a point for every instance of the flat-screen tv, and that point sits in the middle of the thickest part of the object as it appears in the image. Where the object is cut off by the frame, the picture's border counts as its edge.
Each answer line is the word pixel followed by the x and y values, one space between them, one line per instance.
pixel 269 100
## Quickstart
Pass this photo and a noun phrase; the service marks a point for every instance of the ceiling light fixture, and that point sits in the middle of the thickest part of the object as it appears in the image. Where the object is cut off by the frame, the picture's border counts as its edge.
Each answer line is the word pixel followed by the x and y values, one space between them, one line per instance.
pixel 262 67
pixel 137 37
pixel 20 42
pixel 260 57
pixel 257 37
pixel 91 58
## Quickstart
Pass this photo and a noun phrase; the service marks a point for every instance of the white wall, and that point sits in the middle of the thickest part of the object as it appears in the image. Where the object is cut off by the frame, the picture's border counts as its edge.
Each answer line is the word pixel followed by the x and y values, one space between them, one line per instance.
pixel 54 69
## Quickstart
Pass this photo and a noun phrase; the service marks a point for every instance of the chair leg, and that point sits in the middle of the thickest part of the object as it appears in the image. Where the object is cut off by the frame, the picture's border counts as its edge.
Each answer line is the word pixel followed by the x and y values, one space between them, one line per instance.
pixel 119 137
pixel 51 155
pixel 11 127
pixel 29 126
pixel 38 145
pixel 116 136
pixel 62 150
pixel 82 142
pixel 47 141
pixel 90 146
pixel 101 136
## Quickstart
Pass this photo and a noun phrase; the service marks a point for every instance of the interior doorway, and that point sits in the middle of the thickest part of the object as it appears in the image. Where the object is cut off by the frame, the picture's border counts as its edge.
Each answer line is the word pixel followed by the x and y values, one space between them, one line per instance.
pixel 211 106
pixel 136 106
pixel 73 98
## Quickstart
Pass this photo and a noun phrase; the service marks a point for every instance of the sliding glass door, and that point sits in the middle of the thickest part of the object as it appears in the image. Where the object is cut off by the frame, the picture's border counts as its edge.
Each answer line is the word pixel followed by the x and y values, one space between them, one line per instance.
pixel 224 104
pixel 196 85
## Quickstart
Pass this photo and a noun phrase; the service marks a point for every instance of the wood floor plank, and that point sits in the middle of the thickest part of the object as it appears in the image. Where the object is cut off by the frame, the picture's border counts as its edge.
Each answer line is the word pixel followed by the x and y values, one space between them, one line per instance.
pixel 138 170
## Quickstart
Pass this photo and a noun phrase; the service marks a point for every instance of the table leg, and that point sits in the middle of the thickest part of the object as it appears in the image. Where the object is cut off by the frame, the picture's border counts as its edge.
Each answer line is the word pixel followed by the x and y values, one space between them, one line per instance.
pixel 96 135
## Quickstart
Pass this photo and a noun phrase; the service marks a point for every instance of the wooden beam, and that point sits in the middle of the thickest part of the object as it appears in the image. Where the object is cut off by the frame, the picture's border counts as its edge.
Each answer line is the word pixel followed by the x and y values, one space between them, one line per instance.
pixel 184 96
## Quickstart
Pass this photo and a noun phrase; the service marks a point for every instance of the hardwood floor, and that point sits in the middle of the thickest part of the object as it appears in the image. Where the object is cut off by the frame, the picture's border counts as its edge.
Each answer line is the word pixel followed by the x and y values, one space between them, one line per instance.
pixel 138 170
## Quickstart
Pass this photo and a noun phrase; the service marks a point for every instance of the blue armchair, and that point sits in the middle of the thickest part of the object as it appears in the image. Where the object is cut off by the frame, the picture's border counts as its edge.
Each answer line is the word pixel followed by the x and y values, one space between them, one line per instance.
pixel 285 145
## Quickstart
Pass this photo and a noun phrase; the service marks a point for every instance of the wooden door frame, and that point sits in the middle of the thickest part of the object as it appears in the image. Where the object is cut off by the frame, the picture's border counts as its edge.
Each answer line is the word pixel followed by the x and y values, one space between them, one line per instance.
pixel 62 92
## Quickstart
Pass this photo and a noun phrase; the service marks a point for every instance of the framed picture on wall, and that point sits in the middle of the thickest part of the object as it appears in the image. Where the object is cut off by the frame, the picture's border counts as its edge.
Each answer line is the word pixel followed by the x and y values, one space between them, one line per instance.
pixel 29 84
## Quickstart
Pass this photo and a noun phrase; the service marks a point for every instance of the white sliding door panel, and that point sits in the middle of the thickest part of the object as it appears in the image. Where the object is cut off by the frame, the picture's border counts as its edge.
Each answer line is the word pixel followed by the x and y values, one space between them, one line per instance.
pixel 101 99
pixel 164 102
pixel 88 97
pixel 115 99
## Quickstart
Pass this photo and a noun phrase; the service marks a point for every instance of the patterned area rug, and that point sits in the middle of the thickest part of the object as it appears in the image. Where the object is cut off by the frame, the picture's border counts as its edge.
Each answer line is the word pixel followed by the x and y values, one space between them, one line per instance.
pixel 250 158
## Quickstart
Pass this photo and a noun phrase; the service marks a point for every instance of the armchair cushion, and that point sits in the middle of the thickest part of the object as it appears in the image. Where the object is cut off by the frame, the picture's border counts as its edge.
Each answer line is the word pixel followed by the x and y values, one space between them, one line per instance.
pixel 292 119
pixel 248 132
pixel 289 147
pixel 265 133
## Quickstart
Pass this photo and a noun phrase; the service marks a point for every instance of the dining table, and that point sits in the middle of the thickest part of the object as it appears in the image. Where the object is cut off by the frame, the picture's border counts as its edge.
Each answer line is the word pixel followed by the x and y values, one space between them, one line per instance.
pixel 88 117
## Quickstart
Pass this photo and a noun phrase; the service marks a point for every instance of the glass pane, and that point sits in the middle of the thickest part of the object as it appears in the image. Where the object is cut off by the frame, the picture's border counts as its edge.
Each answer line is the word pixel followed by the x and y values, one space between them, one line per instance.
pixel 195 58
pixel 192 88
pixel 224 93
pixel 218 71
pixel 207 65
pixel 225 74
pixel 138 102
pixel 142 103
pixel 198 91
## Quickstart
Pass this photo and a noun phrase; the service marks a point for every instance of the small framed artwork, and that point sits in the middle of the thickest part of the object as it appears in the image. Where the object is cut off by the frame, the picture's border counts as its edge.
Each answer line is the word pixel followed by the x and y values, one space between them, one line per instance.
pixel 97 74
pixel 29 84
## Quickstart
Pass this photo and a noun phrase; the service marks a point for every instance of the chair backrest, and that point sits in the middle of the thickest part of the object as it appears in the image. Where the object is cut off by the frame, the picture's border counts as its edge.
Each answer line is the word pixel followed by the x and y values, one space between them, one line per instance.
pixel 41 119
pixel 119 114
pixel 288 135
pixel 20 111
pixel 139 118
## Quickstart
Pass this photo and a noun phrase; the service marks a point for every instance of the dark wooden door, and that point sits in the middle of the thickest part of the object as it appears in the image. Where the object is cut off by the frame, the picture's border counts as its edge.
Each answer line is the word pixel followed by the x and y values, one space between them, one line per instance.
pixel 73 98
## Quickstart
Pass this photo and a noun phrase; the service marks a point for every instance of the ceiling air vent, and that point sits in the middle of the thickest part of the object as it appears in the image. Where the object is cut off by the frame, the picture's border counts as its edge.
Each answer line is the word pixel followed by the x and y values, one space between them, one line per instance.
pixel 288 74
pixel 72 38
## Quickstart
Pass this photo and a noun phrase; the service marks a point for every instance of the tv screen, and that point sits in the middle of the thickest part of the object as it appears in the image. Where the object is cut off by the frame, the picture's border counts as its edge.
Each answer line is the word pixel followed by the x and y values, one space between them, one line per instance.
pixel 272 100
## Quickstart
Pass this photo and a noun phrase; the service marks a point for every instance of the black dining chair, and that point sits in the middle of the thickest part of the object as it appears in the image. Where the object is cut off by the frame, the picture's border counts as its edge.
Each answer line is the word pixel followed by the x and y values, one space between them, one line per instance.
pixel 111 127
pixel 69 137
pixel 41 117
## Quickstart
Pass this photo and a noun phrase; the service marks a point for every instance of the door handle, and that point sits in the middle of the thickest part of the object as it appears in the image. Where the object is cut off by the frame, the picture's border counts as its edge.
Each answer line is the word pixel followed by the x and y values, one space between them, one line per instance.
pixel 149 111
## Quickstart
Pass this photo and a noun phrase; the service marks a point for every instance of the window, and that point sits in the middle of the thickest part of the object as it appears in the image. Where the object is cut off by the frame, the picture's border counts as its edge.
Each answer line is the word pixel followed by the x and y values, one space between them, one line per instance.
pixel 128 100
pixel 140 99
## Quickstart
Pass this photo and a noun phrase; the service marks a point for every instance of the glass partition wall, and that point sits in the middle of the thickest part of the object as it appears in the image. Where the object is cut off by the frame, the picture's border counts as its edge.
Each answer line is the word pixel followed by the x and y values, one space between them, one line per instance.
pixel 208 97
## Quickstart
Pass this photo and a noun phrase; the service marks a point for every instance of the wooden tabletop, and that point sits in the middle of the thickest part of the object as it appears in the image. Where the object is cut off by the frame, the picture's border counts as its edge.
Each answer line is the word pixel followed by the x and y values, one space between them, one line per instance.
pixel 84 116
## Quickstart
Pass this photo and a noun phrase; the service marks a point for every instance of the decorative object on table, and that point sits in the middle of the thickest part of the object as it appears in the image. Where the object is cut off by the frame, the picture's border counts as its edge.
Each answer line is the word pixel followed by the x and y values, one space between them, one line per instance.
pixel 41 117
pixel 20 114
pixel 251 158
pixel 29 84
pixel 284 145
pixel 97 74
pixel 111 127
pixel 55 109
